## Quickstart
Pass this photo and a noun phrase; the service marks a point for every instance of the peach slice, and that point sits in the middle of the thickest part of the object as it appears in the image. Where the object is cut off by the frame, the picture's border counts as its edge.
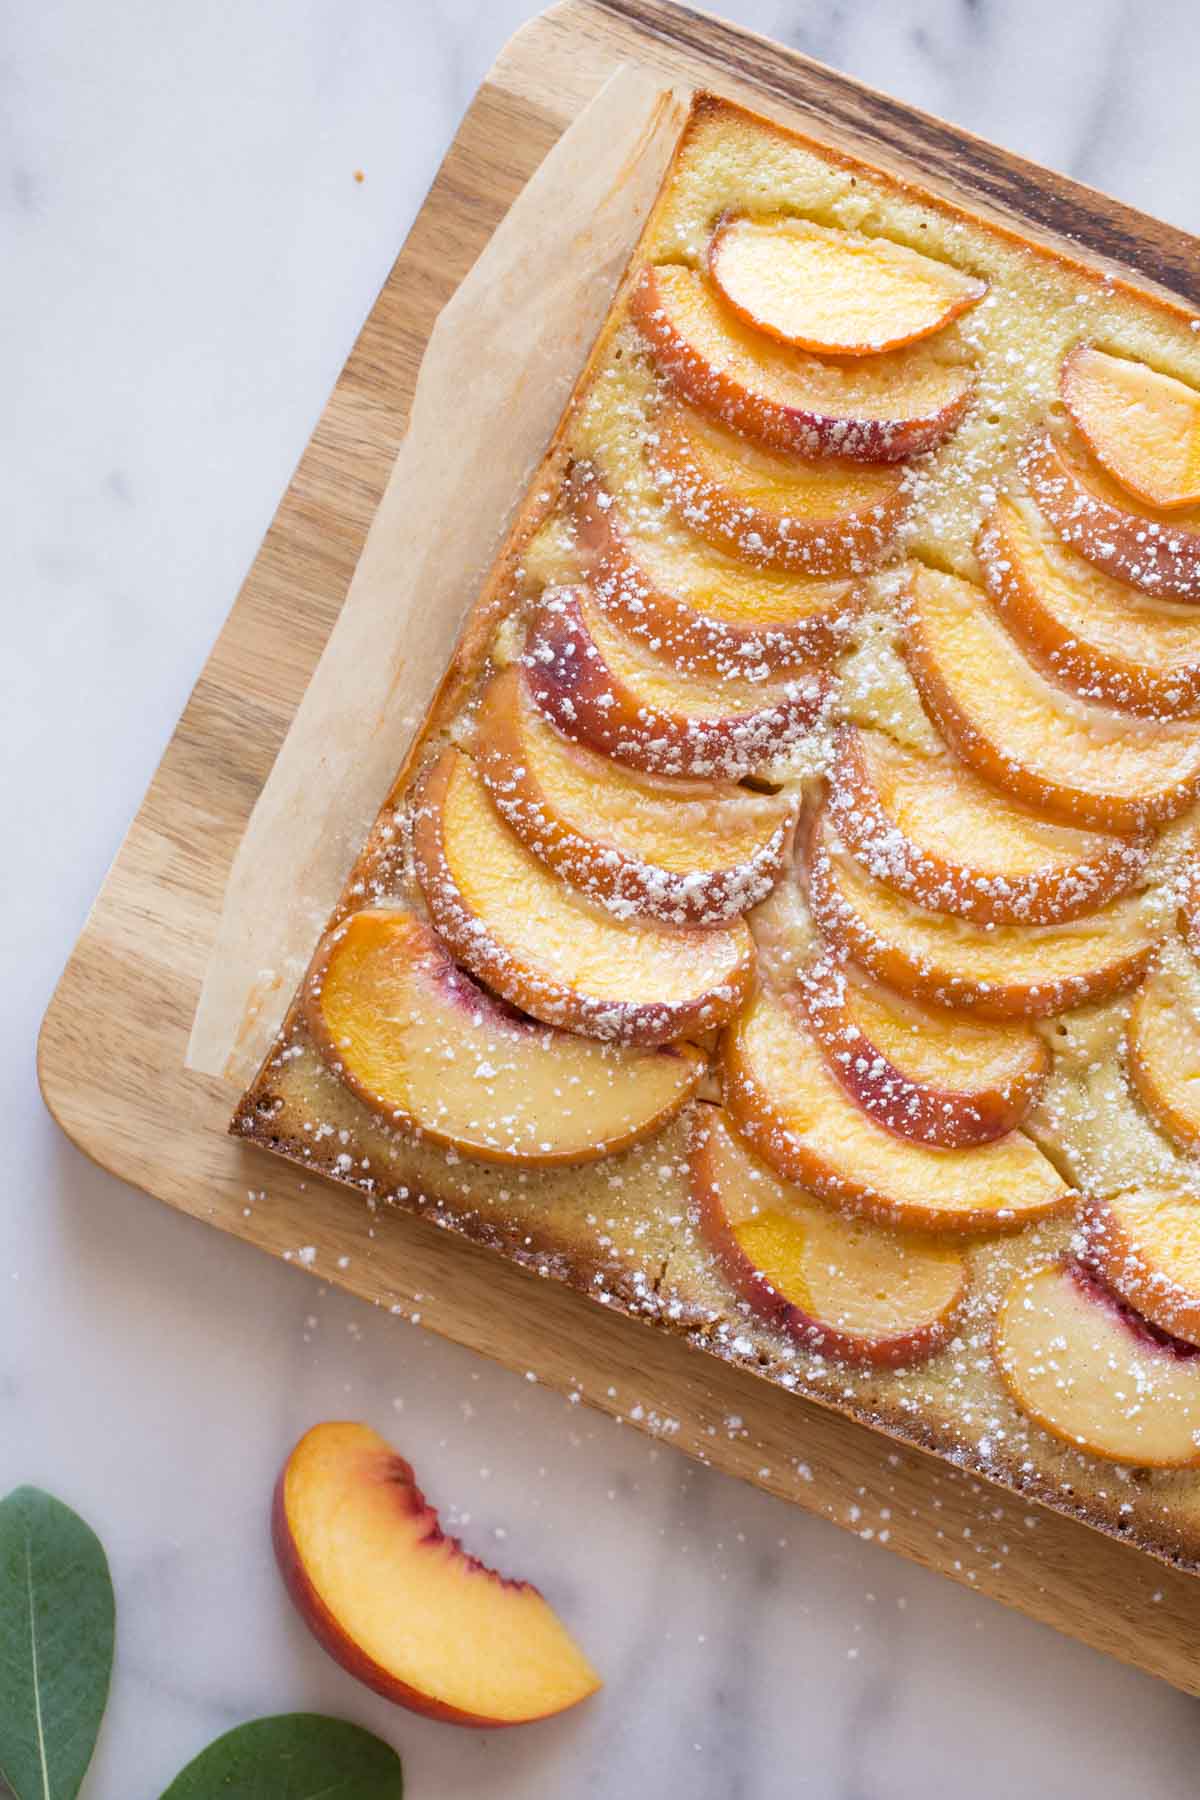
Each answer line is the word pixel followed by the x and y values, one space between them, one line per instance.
pixel 403 1607
pixel 894 406
pixel 1162 1049
pixel 547 948
pixel 785 1099
pixel 1045 746
pixel 1103 638
pixel 1146 1245
pixel 1090 1373
pixel 998 971
pixel 1158 553
pixel 833 517
pixel 1189 906
pixel 603 689
pixel 706 611
pixel 1140 425
pixel 923 1071
pixel 928 827
pixel 832 291
pixel 417 1041
pixel 689 852
pixel 840 1286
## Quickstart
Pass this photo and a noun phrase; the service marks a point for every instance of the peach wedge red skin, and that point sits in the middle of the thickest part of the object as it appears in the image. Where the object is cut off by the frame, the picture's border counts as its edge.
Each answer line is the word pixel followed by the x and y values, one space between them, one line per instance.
pixel 1000 972
pixel 787 1103
pixel 343 1491
pixel 1145 1242
pixel 1142 426
pixel 737 841
pixel 1152 551
pixel 796 618
pixel 817 518
pixel 947 1110
pixel 419 1043
pixel 793 279
pixel 1081 869
pixel 1104 639
pixel 720 1164
pixel 557 955
pixel 783 399
pixel 1079 762
pixel 579 692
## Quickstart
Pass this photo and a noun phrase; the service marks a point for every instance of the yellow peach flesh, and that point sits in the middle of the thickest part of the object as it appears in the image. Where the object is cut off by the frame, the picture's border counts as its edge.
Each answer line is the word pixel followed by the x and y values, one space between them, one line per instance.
pixel 1073 1363
pixel 419 1043
pixel 832 291
pixel 1141 425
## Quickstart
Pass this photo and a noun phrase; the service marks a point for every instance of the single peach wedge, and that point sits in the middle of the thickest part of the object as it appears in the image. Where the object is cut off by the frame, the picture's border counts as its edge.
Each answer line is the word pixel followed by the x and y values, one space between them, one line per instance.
pixel 1189 905
pixel 550 950
pixel 835 292
pixel 1080 762
pixel 1162 1049
pixel 840 1286
pixel 603 688
pixel 882 410
pixel 1105 639
pixel 687 852
pixel 997 971
pixel 828 517
pixel 708 612
pixel 401 1606
pixel 418 1042
pixel 1140 425
pixel 1092 1374
pixel 931 829
pixel 923 1071
pixel 1146 1244
pixel 1155 551
pixel 784 1098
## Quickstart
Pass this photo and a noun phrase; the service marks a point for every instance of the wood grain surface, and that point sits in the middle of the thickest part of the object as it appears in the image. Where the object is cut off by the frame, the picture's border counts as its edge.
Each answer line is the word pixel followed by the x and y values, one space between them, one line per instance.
pixel 112 1044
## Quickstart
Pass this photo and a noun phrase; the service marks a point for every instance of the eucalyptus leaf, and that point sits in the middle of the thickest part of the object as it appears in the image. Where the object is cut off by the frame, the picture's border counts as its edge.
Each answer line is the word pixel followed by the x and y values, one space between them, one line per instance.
pixel 56 1644
pixel 294 1756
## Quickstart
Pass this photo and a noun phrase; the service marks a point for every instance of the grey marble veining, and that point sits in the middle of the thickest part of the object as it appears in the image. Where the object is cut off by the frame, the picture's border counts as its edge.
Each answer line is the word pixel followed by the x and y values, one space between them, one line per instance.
pixel 186 260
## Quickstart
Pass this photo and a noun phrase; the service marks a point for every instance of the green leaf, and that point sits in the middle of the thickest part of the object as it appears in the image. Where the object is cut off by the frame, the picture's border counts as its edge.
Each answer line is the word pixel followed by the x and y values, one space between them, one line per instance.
pixel 294 1756
pixel 56 1644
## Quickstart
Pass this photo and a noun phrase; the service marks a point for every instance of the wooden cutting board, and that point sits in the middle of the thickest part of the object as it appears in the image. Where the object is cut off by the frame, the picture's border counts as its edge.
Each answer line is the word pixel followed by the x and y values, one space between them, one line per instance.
pixel 113 1041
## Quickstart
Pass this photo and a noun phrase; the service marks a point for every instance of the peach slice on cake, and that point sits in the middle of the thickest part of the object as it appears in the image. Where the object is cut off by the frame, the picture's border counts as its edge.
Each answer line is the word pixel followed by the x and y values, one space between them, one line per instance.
pixel 1189 906
pixel 1140 425
pixel 1103 638
pixel 689 852
pixel 833 291
pixel 417 1041
pixel 550 950
pixel 839 1285
pixel 1018 729
pixel 923 1071
pixel 930 828
pixel 604 689
pixel 1162 1049
pixel 403 1607
pixel 1092 1374
pixel 998 971
pixel 1156 552
pixel 785 1099
pixel 883 410
pixel 709 612
pixel 1146 1245
pixel 830 517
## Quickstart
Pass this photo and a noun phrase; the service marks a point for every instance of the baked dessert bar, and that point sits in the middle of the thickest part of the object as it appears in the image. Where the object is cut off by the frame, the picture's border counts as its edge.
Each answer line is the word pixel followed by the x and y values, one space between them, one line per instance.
pixel 784 927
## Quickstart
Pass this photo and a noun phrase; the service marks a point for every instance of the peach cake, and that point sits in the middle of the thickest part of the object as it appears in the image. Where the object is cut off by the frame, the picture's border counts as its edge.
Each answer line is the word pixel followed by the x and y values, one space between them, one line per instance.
pixel 785 925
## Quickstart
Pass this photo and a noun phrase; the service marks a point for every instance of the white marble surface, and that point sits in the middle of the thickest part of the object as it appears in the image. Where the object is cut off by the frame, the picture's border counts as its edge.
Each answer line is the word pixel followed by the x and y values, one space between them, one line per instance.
pixel 186 261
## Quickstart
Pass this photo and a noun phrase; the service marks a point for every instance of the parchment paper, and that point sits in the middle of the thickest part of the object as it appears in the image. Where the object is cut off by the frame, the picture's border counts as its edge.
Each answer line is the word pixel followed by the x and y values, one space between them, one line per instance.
pixel 498 369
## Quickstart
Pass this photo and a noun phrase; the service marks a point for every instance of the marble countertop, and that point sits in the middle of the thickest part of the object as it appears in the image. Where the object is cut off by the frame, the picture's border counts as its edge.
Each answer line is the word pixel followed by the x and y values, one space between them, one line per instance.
pixel 188 259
